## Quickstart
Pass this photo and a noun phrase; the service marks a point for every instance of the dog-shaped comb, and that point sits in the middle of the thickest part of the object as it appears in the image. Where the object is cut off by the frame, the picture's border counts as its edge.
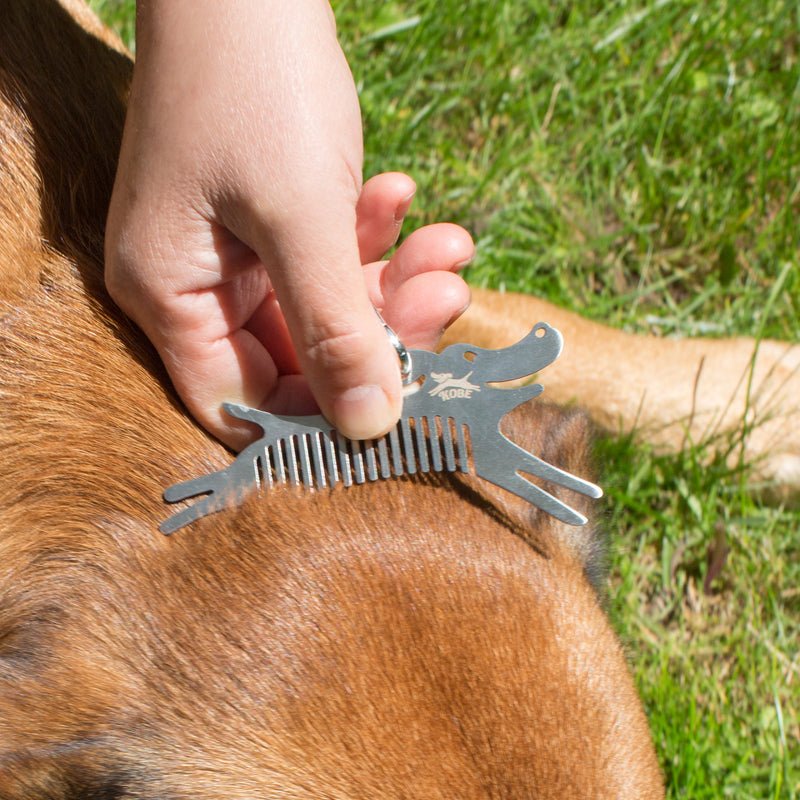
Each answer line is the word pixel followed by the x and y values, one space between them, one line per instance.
pixel 449 402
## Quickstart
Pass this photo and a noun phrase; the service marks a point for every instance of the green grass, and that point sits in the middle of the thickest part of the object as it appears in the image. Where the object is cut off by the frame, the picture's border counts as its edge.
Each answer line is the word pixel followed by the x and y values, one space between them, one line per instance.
pixel 639 162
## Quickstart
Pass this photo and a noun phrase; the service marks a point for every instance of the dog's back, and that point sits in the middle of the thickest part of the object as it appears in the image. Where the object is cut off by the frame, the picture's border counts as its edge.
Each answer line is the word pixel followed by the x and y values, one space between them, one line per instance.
pixel 411 638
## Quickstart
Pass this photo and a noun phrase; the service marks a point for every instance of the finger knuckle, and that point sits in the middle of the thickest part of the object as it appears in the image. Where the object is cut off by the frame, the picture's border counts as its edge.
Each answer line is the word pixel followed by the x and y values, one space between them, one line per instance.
pixel 337 349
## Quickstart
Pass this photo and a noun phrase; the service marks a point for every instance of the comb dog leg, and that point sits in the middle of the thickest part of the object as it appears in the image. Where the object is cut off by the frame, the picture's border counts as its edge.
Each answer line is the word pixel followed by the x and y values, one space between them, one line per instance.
pixel 541 469
pixel 523 488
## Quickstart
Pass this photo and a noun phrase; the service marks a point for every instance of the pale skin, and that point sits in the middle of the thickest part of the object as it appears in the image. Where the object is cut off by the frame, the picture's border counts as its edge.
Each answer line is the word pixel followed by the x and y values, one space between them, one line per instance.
pixel 239 187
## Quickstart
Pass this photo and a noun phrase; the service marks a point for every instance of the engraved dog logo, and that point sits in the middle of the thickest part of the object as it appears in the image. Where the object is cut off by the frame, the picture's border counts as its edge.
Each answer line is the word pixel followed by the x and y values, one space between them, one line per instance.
pixel 449 388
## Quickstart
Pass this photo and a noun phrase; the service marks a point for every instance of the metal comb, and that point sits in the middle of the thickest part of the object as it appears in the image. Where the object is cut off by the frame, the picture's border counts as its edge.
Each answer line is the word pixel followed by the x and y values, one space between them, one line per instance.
pixel 449 403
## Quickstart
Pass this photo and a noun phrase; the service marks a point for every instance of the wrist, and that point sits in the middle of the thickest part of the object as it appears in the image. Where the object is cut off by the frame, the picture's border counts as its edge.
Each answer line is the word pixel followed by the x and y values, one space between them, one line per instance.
pixel 204 20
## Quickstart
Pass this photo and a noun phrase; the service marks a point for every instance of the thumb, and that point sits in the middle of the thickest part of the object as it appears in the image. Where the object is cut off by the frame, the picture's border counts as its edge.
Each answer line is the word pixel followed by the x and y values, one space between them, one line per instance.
pixel 343 350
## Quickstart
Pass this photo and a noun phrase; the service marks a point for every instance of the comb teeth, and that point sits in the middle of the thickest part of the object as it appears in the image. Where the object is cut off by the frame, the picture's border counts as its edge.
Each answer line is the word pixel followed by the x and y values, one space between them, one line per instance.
pixel 322 458
pixel 325 458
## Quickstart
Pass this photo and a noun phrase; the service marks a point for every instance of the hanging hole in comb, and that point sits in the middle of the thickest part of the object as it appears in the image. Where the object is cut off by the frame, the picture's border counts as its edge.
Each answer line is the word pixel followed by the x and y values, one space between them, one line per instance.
pixel 470 355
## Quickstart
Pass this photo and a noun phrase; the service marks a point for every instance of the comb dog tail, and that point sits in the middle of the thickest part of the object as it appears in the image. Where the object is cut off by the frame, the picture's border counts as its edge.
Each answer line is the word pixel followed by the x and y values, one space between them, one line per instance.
pixel 205 484
pixel 213 486
pixel 214 491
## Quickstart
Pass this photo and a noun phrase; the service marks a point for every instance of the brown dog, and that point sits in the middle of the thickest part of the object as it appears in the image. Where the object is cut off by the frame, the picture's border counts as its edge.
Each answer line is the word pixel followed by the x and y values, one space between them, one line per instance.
pixel 414 638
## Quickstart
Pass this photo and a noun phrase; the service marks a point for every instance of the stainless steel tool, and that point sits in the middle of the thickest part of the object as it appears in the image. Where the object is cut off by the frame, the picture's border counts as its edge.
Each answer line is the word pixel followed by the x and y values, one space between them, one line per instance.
pixel 450 421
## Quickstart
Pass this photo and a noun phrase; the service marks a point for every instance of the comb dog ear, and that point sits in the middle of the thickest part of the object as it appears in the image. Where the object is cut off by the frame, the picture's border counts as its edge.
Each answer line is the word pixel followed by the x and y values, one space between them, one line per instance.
pixel 454 400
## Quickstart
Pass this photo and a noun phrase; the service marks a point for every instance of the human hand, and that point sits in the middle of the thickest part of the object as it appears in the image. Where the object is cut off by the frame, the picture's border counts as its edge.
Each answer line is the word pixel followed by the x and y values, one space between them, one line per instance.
pixel 239 186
